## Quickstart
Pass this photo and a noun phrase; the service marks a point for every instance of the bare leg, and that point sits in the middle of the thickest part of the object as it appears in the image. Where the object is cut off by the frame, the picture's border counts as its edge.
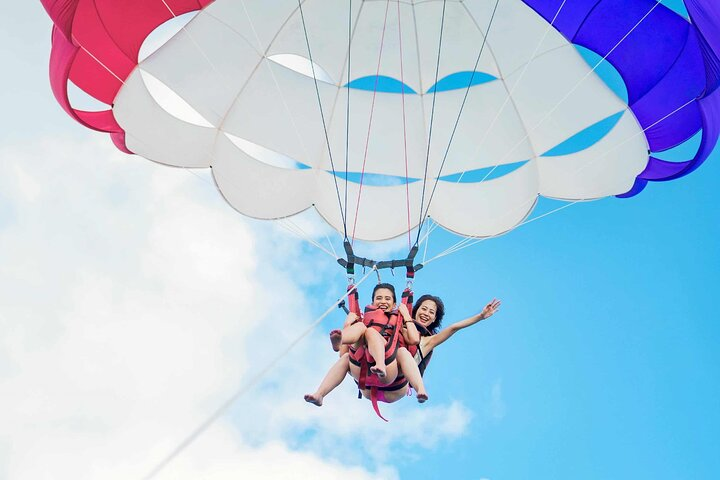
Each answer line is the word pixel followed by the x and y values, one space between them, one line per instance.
pixel 412 373
pixel 376 347
pixel 333 378
pixel 353 333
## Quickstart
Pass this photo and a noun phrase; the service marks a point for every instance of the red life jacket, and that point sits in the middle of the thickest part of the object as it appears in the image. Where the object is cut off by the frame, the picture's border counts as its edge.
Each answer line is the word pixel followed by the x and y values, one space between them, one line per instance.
pixel 390 327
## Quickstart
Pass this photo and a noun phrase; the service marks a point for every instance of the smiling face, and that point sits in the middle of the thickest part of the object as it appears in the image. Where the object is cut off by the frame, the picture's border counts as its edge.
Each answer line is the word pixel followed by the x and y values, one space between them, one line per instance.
pixel 426 313
pixel 384 299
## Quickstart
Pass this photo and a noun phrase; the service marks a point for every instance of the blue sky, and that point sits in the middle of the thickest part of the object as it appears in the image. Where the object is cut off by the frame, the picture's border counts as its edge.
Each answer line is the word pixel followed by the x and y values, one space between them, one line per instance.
pixel 134 302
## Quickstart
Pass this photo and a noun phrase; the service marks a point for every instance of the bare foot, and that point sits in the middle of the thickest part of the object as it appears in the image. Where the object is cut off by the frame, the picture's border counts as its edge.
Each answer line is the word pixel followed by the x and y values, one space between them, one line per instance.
pixel 314 398
pixel 336 339
pixel 378 370
pixel 422 397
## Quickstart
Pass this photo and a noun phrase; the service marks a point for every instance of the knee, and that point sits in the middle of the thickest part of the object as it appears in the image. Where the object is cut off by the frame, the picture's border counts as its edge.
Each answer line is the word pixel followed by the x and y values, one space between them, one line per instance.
pixel 371 332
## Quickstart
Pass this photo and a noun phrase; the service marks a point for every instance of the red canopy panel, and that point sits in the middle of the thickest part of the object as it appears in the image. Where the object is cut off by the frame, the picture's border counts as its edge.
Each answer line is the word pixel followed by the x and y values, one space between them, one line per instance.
pixel 95 43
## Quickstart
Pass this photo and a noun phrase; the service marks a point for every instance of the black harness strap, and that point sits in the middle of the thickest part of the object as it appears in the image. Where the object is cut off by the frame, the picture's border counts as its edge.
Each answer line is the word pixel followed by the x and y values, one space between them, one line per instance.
pixel 352 260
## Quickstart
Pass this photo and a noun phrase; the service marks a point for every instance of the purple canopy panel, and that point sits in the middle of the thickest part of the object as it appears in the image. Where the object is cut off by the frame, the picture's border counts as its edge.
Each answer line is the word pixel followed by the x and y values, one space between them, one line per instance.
pixel 660 170
pixel 637 187
pixel 642 57
pixel 664 112
pixel 662 62
pixel 705 15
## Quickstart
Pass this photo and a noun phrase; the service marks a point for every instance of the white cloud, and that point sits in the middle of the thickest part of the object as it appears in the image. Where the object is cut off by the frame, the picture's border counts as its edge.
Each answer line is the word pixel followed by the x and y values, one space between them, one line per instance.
pixel 133 302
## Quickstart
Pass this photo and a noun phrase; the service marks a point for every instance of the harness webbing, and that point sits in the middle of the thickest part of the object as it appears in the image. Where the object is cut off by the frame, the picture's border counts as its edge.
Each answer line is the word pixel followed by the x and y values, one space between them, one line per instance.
pixel 392 331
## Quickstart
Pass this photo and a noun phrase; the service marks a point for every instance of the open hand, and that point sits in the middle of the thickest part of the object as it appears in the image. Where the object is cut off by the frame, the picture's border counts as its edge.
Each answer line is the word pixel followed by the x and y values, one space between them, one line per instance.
pixel 490 308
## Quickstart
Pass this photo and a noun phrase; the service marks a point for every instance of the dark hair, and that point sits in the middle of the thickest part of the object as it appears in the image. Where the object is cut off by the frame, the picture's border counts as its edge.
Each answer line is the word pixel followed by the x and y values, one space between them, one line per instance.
pixel 386 286
pixel 439 311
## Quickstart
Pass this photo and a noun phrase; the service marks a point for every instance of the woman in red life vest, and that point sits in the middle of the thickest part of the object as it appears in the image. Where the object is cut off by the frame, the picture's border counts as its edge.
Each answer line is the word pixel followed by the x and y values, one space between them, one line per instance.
pixel 378 333
pixel 428 314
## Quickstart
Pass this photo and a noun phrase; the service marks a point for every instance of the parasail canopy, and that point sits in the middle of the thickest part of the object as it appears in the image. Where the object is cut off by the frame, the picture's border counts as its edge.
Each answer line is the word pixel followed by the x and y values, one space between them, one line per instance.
pixel 381 113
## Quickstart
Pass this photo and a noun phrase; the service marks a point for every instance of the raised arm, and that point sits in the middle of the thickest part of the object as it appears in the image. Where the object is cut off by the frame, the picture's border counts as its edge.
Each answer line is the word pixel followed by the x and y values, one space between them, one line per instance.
pixel 435 340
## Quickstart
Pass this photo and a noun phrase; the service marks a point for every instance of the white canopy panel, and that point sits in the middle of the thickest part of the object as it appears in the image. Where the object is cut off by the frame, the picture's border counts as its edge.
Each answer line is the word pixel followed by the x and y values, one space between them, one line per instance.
pixel 243 70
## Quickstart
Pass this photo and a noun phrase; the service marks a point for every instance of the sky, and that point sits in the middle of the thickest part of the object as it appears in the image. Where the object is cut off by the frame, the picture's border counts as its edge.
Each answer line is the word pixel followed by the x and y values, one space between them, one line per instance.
pixel 134 302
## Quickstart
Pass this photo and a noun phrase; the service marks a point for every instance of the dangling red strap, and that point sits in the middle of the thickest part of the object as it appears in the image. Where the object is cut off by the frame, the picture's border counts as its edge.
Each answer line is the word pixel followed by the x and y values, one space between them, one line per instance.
pixel 374 400
pixel 354 301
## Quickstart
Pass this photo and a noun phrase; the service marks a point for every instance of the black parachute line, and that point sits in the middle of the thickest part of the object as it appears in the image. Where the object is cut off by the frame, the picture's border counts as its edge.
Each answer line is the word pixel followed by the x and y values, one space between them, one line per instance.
pixel 432 117
pixel 322 116
pixel 424 216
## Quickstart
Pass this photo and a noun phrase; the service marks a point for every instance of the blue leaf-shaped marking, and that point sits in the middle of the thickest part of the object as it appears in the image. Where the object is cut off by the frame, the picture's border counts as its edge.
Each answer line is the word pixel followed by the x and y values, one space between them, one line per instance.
pixel 460 80
pixel 585 138
pixel 380 83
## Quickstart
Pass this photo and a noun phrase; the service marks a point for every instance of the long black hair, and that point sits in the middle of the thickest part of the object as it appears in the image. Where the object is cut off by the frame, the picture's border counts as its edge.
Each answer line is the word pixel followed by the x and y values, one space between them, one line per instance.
pixel 439 311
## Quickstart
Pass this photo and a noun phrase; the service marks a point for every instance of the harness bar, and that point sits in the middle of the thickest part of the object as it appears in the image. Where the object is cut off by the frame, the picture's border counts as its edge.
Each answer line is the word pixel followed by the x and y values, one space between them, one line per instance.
pixel 352 260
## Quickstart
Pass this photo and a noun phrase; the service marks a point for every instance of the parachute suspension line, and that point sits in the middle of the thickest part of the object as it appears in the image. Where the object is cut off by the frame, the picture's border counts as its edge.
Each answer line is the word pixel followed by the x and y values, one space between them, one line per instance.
pixel 404 122
pixel 331 245
pixel 290 116
pixel 432 117
pixel 542 120
pixel 457 119
pixel 286 223
pixel 505 102
pixel 201 428
pixel 599 157
pixel 426 239
pixel 429 230
pixel 522 206
pixel 468 242
pixel 202 52
pixel 372 111
pixel 577 84
pixel 322 116
pixel 512 90
pixel 100 63
pixel 295 229
pixel 169 9
pixel 347 109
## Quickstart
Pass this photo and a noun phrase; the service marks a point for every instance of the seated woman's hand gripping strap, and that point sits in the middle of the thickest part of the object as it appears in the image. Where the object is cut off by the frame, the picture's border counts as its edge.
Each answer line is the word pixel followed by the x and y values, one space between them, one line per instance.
pixel 407 299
